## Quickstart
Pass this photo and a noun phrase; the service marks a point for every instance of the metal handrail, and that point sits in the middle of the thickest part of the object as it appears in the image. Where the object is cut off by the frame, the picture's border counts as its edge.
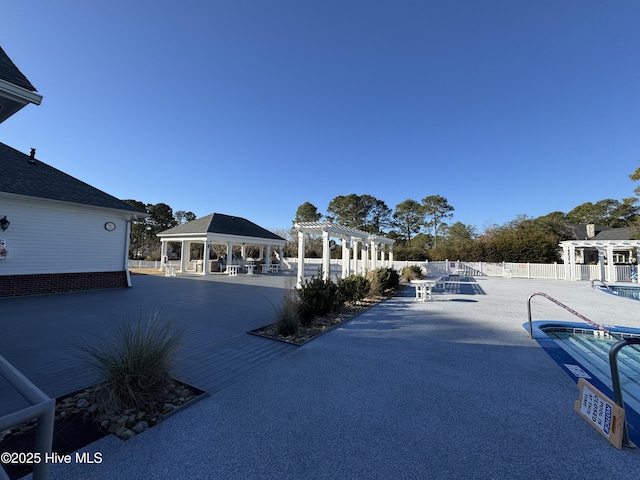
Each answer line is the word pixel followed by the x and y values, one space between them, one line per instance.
pixel 570 310
pixel 615 379
pixel 42 407
pixel 613 354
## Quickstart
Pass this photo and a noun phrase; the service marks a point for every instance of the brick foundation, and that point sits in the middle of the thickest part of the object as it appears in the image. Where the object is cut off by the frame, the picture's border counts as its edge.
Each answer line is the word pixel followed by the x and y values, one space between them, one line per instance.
pixel 47 283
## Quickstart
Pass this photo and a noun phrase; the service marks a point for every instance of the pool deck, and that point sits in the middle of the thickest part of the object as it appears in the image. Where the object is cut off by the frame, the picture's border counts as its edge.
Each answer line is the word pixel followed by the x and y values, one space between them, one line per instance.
pixel 452 388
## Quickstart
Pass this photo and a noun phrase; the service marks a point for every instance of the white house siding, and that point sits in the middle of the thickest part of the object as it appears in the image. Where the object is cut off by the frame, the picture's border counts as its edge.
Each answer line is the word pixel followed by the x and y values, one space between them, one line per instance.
pixel 74 238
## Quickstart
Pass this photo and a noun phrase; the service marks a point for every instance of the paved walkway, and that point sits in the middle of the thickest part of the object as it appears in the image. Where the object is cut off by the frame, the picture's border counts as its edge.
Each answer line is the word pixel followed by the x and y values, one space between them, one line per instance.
pixel 446 389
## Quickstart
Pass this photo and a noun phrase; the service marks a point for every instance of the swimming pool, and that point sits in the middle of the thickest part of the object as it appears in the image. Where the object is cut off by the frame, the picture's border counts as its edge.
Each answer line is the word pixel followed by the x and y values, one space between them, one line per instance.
pixel 583 351
pixel 622 291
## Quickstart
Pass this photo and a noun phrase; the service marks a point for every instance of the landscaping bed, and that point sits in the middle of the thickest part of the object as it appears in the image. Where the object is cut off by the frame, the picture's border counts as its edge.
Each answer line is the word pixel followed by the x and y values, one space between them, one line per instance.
pixel 323 324
pixel 76 424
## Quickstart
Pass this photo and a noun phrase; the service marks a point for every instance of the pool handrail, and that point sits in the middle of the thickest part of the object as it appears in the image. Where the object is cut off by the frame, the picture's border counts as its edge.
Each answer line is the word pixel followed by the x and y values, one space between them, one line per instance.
pixel 568 309
pixel 615 380
pixel 42 407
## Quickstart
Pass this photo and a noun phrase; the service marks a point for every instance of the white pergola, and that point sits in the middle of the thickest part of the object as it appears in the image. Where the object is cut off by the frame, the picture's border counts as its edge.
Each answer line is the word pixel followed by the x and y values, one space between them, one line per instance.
pixel 359 240
pixel 605 248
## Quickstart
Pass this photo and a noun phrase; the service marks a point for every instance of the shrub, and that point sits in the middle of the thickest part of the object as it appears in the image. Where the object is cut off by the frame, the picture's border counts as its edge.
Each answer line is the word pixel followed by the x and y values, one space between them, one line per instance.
pixel 136 364
pixel 353 288
pixel 288 316
pixel 412 272
pixel 383 279
pixel 317 297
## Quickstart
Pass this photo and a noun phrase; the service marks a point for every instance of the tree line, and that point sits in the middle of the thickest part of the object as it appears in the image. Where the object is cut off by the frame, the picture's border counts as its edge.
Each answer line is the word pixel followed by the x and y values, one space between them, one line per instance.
pixel 145 245
pixel 421 230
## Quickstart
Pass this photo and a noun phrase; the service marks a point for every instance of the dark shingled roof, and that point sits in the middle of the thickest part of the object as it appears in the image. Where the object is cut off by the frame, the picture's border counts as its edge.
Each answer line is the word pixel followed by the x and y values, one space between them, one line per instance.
pixel 20 176
pixel 615 234
pixel 225 224
pixel 10 73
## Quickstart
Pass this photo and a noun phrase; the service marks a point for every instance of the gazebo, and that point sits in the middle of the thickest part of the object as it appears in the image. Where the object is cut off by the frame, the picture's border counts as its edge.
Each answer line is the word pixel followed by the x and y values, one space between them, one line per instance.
pixel 606 249
pixel 220 229
pixel 351 238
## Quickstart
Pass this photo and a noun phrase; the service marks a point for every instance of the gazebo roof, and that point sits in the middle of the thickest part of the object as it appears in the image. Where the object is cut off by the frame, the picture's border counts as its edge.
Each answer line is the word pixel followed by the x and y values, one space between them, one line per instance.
pixel 218 223
pixel 340 231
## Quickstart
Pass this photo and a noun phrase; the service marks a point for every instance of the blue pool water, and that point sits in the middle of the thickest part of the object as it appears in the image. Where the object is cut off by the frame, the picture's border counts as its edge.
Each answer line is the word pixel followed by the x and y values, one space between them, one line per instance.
pixel 622 291
pixel 583 351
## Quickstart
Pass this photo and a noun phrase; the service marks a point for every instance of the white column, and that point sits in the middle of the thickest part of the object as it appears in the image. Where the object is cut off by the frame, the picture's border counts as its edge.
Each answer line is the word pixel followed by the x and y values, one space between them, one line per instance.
pixel 267 258
pixel 346 261
pixel 391 254
pixel 354 245
pixel 382 264
pixel 163 254
pixel 601 267
pixel 205 259
pixel 572 261
pixel 611 268
pixel 184 253
pixel 373 248
pixel 243 251
pixel 565 257
pixel 365 257
pixel 326 256
pixel 229 254
pixel 300 259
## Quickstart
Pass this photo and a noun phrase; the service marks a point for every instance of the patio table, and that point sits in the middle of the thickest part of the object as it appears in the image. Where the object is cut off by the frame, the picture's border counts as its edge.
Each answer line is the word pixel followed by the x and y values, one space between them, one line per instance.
pixel 423 288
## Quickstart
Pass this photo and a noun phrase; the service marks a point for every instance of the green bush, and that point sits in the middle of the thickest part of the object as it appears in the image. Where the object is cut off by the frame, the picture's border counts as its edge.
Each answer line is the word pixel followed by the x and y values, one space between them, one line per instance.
pixel 412 272
pixel 317 297
pixel 353 288
pixel 136 364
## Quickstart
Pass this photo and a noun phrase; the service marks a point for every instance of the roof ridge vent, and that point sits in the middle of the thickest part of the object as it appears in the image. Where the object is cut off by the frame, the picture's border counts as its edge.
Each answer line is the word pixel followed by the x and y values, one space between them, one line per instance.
pixel 32 156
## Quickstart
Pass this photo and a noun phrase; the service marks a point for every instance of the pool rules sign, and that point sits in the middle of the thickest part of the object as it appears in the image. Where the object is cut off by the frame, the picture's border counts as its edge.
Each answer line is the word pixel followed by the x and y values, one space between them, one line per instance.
pixel 601 412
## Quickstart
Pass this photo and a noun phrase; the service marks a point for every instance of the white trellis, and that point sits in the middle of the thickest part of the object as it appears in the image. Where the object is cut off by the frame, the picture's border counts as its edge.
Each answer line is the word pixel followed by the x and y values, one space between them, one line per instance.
pixel 369 248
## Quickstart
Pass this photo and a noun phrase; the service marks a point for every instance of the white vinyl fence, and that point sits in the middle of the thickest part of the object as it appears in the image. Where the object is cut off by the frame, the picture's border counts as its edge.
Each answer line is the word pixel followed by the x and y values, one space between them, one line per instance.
pixel 555 271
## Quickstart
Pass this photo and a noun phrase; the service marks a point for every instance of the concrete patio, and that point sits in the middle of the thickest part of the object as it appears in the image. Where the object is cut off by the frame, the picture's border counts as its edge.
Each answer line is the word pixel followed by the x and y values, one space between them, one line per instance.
pixel 452 388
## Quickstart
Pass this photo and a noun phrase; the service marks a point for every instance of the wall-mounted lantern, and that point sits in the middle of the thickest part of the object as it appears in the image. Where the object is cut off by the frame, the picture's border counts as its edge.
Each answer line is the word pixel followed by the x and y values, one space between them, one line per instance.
pixel 4 223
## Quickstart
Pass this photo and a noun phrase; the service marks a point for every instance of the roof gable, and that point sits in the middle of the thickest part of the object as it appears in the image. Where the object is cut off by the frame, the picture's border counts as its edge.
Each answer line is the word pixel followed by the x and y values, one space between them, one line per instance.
pixel 33 178
pixel 10 73
pixel 223 224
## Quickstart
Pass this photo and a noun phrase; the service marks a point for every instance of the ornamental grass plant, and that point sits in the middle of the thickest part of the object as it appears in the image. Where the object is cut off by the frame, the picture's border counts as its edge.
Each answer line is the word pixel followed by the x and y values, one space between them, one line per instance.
pixel 412 272
pixel 287 315
pixel 136 363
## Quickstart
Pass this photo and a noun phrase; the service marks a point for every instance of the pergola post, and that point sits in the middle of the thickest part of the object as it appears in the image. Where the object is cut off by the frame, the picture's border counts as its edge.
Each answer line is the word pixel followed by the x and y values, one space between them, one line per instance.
pixel 601 267
pixel 300 259
pixel 346 261
pixel 611 268
pixel 354 246
pixel 267 259
pixel 281 257
pixel 365 257
pixel 326 256
pixel 391 254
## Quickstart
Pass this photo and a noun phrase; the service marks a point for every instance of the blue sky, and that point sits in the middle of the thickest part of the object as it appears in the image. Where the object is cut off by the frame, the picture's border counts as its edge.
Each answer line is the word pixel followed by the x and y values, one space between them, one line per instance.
pixel 254 107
